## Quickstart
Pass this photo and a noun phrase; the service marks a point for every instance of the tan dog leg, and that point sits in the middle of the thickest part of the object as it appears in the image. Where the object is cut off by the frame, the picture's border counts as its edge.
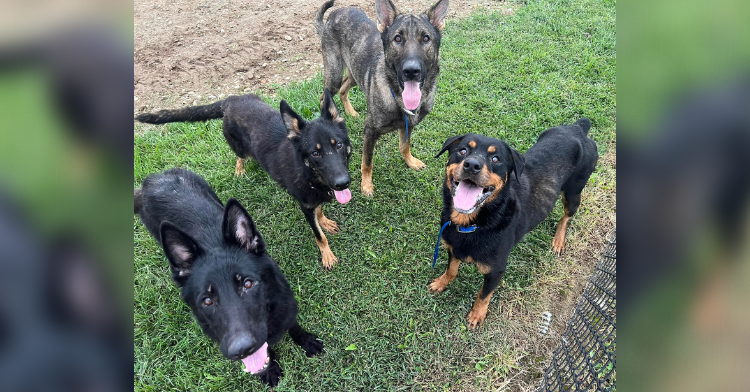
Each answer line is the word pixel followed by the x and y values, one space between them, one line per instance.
pixel 327 224
pixel 405 149
pixel 239 167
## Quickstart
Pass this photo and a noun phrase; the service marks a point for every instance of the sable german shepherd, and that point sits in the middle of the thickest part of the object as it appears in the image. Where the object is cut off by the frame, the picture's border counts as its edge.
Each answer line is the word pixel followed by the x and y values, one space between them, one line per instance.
pixel 493 195
pixel 218 259
pixel 395 63
pixel 310 159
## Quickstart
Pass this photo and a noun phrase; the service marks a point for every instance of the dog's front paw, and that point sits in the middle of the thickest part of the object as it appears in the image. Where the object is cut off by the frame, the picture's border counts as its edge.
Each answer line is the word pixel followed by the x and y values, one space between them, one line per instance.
pixel 415 164
pixel 329 225
pixel 558 245
pixel 272 375
pixel 239 167
pixel 329 260
pixel 367 189
pixel 312 346
pixel 476 318
pixel 437 286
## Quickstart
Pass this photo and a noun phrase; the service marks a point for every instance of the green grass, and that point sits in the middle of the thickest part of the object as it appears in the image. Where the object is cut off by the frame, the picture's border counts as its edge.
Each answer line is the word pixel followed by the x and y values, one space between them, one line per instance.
pixel 503 76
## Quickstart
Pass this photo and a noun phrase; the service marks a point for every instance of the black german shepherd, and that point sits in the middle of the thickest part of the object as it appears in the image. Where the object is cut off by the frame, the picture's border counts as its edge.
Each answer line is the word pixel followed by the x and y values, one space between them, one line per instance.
pixel 395 63
pixel 309 159
pixel 494 195
pixel 237 293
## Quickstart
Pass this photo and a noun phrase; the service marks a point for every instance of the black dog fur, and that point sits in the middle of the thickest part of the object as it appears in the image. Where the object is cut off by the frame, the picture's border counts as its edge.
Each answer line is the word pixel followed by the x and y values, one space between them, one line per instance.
pixel 309 159
pixel 236 291
pixel 518 192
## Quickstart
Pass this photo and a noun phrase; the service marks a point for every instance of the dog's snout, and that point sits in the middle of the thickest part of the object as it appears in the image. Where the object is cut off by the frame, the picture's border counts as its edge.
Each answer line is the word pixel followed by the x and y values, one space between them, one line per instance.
pixel 341 183
pixel 472 166
pixel 411 69
pixel 241 347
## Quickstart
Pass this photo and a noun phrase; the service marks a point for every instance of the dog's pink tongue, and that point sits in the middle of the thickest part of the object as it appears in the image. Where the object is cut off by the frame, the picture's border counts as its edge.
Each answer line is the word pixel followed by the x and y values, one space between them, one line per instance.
pixel 255 361
pixel 411 95
pixel 344 196
pixel 466 195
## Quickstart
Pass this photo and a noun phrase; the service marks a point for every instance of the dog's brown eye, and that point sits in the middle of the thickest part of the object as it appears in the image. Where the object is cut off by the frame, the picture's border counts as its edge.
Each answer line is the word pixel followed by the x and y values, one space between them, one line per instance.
pixel 426 38
pixel 495 159
pixel 315 153
pixel 462 152
pixel 208 301
pixel 397 38
pixel 248 284
pixel 339 145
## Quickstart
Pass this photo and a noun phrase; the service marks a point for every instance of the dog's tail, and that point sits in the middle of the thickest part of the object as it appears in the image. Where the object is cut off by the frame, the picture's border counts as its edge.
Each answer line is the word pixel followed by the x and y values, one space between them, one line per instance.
pixel 190 113
pixel 319 16
pixel 585 124
pixel 138 199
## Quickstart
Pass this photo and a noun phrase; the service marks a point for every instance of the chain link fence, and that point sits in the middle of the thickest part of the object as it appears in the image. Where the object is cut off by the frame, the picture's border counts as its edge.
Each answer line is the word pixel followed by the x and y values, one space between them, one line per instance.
pixel 585 359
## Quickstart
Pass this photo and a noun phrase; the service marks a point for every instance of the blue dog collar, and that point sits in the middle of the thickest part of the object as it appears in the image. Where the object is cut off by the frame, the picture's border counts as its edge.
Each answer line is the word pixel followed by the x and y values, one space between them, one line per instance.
pixel 460 229
pixel 406 119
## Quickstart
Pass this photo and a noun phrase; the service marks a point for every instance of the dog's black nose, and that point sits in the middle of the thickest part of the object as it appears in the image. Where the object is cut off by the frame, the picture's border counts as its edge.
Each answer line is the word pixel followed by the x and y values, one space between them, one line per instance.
pixel 411 69
pixel 241 347
pixel 472 166
pixel 341 183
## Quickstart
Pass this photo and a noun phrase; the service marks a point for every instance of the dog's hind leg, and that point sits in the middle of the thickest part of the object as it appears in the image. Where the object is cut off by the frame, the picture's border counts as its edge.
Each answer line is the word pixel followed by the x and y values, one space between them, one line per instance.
pixel 329 260
pixel 405 149
pixel 333 72
pixel 348 83
pixel 479 311
pixel 306 340
pixel 570 204
pixel 327 224
pixel 239 167
pixel 441 283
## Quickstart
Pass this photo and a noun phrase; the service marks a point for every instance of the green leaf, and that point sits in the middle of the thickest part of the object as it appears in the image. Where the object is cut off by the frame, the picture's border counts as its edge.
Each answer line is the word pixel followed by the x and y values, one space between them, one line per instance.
pixel 351 347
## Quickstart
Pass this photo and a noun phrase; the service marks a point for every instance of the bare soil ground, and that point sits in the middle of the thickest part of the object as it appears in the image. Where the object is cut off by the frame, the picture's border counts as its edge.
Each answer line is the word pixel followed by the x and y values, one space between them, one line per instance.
pixel 192 51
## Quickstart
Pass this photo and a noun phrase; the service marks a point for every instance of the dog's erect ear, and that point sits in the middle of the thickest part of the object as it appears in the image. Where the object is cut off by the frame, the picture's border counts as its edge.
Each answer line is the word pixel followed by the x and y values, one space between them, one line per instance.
pixel 239 228
pixel 181 250
pixel 448 143
pixel 518 162
pixel 386 14
pixel 328 110
pixel 293 122
pixel 437 14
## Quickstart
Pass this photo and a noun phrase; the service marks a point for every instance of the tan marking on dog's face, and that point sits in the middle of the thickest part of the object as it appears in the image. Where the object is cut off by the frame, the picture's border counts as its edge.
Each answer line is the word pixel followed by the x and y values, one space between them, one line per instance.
pixel 318 146
pixel 472 144
pixel 333 142
pixel 463 219
pixel 449 170
pixel 491 149
pixel 498 183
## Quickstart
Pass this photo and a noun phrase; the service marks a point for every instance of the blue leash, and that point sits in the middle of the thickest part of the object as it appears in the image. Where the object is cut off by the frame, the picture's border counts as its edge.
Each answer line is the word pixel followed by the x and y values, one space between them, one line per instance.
pixel 406 120
pixel 461 229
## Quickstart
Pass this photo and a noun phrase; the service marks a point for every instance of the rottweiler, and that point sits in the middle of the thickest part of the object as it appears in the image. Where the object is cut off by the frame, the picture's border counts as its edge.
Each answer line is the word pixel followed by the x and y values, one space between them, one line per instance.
pixel 310 159
pixel 217 257
pixel 396 64
pixel 493 195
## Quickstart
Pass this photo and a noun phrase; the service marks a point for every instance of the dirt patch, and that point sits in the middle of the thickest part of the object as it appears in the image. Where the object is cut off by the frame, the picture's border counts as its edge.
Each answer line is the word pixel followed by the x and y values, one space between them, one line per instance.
pixel 195 51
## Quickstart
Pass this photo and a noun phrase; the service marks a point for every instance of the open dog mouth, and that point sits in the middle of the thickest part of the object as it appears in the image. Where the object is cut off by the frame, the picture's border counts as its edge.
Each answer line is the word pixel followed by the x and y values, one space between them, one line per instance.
pixel 257 361
pixel 410 94
pixel 468 196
